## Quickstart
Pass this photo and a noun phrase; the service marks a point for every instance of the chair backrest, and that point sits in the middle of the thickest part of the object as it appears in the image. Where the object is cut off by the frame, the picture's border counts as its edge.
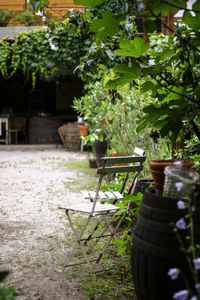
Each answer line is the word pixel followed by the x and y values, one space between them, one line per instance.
pixel 121 164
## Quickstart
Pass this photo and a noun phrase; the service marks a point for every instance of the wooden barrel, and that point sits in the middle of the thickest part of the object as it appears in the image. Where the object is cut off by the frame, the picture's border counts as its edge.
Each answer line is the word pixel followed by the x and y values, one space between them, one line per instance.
pixel 155 248
pixel 70 136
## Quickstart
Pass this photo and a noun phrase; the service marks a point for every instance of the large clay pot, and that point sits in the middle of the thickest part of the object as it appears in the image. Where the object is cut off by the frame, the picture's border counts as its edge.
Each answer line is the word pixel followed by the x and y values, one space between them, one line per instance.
pixel 157 170
pixel 156 249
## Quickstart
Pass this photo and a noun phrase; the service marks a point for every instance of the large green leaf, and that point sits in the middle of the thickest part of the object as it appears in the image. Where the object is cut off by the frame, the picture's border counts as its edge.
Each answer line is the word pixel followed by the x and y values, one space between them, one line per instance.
pixel 118 82
pixel 91 3
pixel 191 21
pixel 176 4
pixel 150 108
pixel 132 48
pixel 142 126
pixel 155 7
pixel 196 5
pixel 128 74
pixel 147 86
pixel 133 72
pixel 107 25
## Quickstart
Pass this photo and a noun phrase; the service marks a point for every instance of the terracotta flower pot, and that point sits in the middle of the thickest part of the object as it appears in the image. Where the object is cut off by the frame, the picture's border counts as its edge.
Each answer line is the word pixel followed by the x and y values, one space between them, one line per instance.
pixel 157 170
pixel 83 130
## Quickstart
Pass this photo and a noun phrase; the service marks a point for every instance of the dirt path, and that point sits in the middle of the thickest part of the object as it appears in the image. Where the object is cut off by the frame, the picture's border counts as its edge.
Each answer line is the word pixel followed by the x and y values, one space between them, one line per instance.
pixel 32 229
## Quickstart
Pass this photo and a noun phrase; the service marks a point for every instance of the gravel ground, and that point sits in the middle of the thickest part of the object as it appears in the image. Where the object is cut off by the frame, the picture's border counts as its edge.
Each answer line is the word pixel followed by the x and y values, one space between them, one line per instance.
pixel 32 229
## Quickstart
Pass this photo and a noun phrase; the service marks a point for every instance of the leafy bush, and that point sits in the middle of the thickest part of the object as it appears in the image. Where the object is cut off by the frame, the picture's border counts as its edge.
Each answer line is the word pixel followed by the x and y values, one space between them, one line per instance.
pixel 5 16
pixel 27 18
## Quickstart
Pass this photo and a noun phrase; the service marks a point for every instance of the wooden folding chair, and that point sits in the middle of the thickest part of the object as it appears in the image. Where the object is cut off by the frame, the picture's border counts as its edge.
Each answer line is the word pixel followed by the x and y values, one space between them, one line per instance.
pixel 101 213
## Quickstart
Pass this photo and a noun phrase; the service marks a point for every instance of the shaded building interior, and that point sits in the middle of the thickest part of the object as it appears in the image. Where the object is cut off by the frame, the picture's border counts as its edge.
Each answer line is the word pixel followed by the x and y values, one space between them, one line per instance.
pixel 33 115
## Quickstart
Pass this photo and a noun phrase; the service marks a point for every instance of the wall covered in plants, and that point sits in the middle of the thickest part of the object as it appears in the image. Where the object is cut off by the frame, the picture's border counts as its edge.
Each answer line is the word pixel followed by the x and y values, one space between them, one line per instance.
pixel 46 50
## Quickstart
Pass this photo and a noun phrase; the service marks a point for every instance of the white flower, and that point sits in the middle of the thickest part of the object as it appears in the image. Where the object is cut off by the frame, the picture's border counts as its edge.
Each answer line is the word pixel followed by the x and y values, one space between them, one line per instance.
pixel 54 47
pixel 47 35
pixel 39 13
pixel 44 18
pixel 129 26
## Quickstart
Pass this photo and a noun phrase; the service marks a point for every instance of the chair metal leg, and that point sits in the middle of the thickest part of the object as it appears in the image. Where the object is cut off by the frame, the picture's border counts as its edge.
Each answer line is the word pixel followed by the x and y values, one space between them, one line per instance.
pixel 77 243
pixel 111 237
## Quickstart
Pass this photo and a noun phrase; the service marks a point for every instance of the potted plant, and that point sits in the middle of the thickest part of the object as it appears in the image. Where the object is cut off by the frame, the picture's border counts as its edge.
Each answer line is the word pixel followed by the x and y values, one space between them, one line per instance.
pixel 157 168
pixel 92 107
pixel 83 129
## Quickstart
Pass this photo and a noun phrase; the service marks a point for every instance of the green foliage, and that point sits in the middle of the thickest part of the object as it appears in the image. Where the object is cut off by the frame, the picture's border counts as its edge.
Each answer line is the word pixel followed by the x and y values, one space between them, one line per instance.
pixel 38 4
pixel 116 283
pixel 27 18
pixel 106 26
pixel 90 3
pixel 132 48
pixel 6 293
pixel 5 16
pixel 93 107
pixel 129 73
pixel 170 66
pixel 129 205
pixel 32 51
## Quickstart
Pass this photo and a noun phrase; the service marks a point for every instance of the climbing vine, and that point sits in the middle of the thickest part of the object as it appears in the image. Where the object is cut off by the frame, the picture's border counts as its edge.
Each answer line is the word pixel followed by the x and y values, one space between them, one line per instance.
pixel 45 50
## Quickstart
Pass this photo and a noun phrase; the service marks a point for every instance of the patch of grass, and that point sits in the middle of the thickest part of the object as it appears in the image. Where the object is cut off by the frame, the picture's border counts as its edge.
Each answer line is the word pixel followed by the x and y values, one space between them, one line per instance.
pixel 115 282
pixel 110 285
pixel 81 166
pixel 84 183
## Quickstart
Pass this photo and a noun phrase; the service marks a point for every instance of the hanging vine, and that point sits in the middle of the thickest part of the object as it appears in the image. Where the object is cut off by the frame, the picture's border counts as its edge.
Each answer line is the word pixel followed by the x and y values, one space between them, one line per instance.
pixel 45 50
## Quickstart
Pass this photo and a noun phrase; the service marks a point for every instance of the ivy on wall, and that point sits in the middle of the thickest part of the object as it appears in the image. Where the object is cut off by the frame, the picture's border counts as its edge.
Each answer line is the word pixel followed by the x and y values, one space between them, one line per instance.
pixel 45 50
